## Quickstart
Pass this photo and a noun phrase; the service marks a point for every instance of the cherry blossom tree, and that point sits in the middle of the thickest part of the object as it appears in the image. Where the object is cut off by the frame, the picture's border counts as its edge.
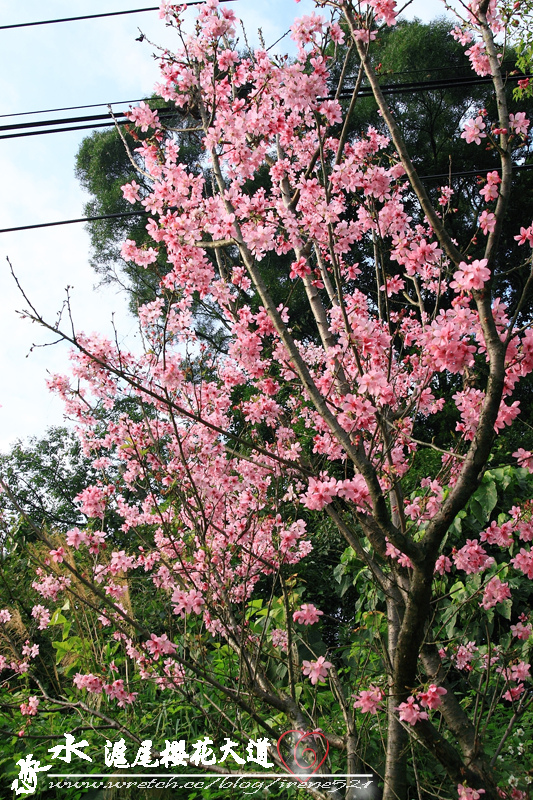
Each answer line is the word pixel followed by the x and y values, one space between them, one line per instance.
pixel 235 459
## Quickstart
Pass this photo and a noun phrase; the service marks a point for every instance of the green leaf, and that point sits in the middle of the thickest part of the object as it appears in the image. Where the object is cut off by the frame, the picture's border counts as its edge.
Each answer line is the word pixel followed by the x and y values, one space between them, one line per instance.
pixel 450 627
pixel 457 526
pixel 57 618
pixel 339 571
pixel 505 608
pixel 484 500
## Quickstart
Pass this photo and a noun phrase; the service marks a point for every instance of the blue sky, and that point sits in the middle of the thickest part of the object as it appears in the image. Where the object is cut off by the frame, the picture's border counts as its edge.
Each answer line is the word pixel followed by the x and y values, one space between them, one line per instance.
pixel 70 64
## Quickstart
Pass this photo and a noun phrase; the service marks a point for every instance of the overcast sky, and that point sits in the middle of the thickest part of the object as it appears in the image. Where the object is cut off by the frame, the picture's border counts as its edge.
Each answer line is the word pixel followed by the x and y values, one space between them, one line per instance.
pixel 53 66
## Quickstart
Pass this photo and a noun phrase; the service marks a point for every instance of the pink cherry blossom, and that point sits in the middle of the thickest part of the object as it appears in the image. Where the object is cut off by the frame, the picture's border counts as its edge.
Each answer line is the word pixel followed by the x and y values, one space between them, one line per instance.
pixel 402 559
pixel 472 558
pixel 187 602
pixel 394 285
pixel 524 562
pixel 501 535
pixel 131 192
pixel 520 671
pixel 143 116
pixel 446 193
pixel 464 655
pixel 384 10
pixel 473 130
pixel 490 191
pixel 116 691
pixel 410 711
pixel 461 35
pixel 526 235
pixel 432 697
pixel 300 268
pixel 320 493
pixel 159 645
pixel 29 650
pixel 120 562
pixel 479 60
pixel 495 592
pixel 30 709
pixel 316 670
pixel 471 276
pixel 519 123
pixel 43 616
pixel 524 458
pixel 522 630
pixel 369 700
pixel 307 614
pixel 487 221
pixel 465 793
pixel 92 501
pixel 57 555
pixel 364 35
pixel 92 683
pixel 240 452
pixel 75 538
pixel 280 639
pixel 514 693
pixel 443 564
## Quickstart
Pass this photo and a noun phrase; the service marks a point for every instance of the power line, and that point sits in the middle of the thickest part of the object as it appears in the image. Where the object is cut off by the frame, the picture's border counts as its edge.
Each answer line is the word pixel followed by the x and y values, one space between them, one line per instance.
pixel 66 130
pixel 118 215
pixel 366 91
pixel 61 130
pixel 94 125
pixel 41 123
pixel 72 108
pixel 428 70
pixel 75 19
pixel 467 173
pixel 96 16
pixel 90 118
pixel 141 99
pixel 71 221
pixel 144 99
pixel 422 86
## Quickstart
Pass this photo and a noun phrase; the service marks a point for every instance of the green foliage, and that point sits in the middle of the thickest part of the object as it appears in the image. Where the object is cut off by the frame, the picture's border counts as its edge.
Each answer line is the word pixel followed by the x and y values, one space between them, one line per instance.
pixel 45 475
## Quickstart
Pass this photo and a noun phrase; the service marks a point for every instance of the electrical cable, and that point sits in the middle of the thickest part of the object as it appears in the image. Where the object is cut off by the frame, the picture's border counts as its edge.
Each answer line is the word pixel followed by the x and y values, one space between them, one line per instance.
pixel 95 16
pixel 67 120
pixel 75 19
pixel 446 175
pixel 73 108
pixel 144 99
pixel 467 173
pixel 366 91
pixel 66 130
pixel 90 118
pixel 61 130
pixel 503 65
pixel 71 221
pixel 91 127
pixel 422 86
